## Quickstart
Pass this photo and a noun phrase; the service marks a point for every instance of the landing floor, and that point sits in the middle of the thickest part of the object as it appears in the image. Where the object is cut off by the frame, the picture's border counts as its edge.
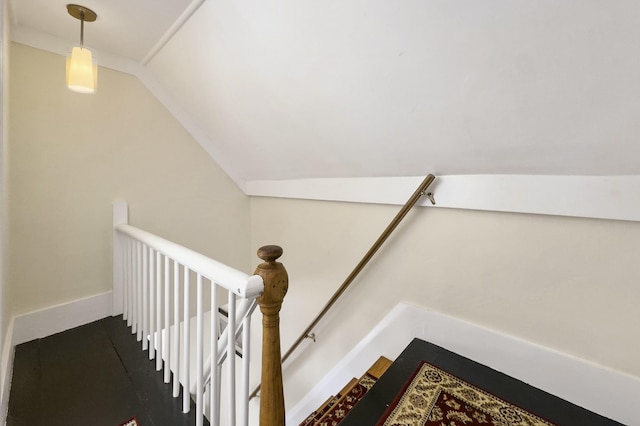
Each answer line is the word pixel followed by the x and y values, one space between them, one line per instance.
pixel 95 375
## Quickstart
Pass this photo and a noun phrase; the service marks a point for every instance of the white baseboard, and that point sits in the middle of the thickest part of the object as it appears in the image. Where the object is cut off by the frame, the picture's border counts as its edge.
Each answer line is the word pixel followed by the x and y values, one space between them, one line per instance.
pixel 45 322
pixel 573 379
pixel 7 371
pixel 52 320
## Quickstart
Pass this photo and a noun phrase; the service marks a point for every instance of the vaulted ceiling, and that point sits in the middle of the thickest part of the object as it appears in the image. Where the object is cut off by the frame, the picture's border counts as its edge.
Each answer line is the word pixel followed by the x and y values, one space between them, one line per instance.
pixel 293 89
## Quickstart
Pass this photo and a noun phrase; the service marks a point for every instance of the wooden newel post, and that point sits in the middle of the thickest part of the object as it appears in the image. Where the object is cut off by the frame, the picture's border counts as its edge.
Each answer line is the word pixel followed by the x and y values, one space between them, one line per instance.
pixel 276 283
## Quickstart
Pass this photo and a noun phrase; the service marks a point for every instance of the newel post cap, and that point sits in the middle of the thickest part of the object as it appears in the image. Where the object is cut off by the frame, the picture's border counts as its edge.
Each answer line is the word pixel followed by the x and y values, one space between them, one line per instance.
pixel 270 253
pixel 274 275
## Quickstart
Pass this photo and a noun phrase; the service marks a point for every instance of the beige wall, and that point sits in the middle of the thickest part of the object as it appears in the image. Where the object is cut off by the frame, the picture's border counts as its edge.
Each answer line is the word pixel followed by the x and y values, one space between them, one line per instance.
pixel 565 283
pixel 71 155
pixel 4 115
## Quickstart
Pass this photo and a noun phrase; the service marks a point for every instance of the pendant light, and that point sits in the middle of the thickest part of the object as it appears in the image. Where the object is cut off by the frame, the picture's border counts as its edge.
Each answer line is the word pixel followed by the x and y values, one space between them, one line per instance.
pixel 82 71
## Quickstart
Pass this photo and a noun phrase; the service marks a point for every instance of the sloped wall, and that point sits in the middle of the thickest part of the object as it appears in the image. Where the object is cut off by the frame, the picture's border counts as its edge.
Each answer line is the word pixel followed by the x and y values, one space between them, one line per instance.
pixel 72 155
pixel 564 283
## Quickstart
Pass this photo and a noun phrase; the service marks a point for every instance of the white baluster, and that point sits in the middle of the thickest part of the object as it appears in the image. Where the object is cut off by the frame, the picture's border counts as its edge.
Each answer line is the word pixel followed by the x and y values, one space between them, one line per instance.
pixel 199 350
pixel 214 394
pixel 246 350
pixel 186 398
pixel 231 358
pixel 145 298
pixel 152 303
pixel 124 243
pixel 166 340
pixel 158 318
pixel 130 283
pixel 137 291
pixel 176 328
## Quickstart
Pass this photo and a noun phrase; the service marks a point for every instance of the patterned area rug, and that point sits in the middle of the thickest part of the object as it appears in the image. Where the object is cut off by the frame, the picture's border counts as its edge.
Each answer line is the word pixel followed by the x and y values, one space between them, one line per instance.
pixel 131 422
pixel 433 397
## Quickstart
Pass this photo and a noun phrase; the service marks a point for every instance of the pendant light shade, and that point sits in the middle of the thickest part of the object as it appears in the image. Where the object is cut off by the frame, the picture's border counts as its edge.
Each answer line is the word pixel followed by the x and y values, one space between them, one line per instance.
pixel 82 71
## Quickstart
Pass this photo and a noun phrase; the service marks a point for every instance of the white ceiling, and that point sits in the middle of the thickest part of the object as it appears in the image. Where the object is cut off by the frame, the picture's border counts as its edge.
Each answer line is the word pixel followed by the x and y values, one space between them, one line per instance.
pixel 288 89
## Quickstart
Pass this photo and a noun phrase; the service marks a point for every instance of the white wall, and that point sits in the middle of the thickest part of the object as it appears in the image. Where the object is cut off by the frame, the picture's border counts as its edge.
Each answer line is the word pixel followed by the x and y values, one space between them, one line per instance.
pixel 564 283
pixel 72 155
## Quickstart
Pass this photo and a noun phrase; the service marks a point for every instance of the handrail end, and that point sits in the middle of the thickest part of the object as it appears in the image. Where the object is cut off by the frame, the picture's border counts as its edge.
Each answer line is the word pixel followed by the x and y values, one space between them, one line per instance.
pixel 254 288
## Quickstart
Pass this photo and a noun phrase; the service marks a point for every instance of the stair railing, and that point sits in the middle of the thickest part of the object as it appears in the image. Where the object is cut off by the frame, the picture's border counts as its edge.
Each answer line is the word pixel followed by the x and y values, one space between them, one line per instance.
pixel 153 280
pixel 307 333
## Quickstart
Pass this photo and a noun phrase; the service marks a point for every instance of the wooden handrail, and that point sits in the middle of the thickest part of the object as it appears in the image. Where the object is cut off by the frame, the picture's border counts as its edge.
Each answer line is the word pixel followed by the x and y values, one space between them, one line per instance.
pixel 419 192
pixel 276 283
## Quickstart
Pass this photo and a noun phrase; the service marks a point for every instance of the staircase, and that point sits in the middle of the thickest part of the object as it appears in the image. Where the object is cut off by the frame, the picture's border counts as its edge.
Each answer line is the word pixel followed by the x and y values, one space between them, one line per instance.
pixel 366 401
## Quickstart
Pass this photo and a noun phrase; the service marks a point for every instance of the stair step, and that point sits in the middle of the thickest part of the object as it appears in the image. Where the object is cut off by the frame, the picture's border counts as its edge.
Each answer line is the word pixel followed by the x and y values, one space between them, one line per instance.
pixel 379 367
pixel 316 415
pixel 351 394
pixel 313 418
pixel 337 407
